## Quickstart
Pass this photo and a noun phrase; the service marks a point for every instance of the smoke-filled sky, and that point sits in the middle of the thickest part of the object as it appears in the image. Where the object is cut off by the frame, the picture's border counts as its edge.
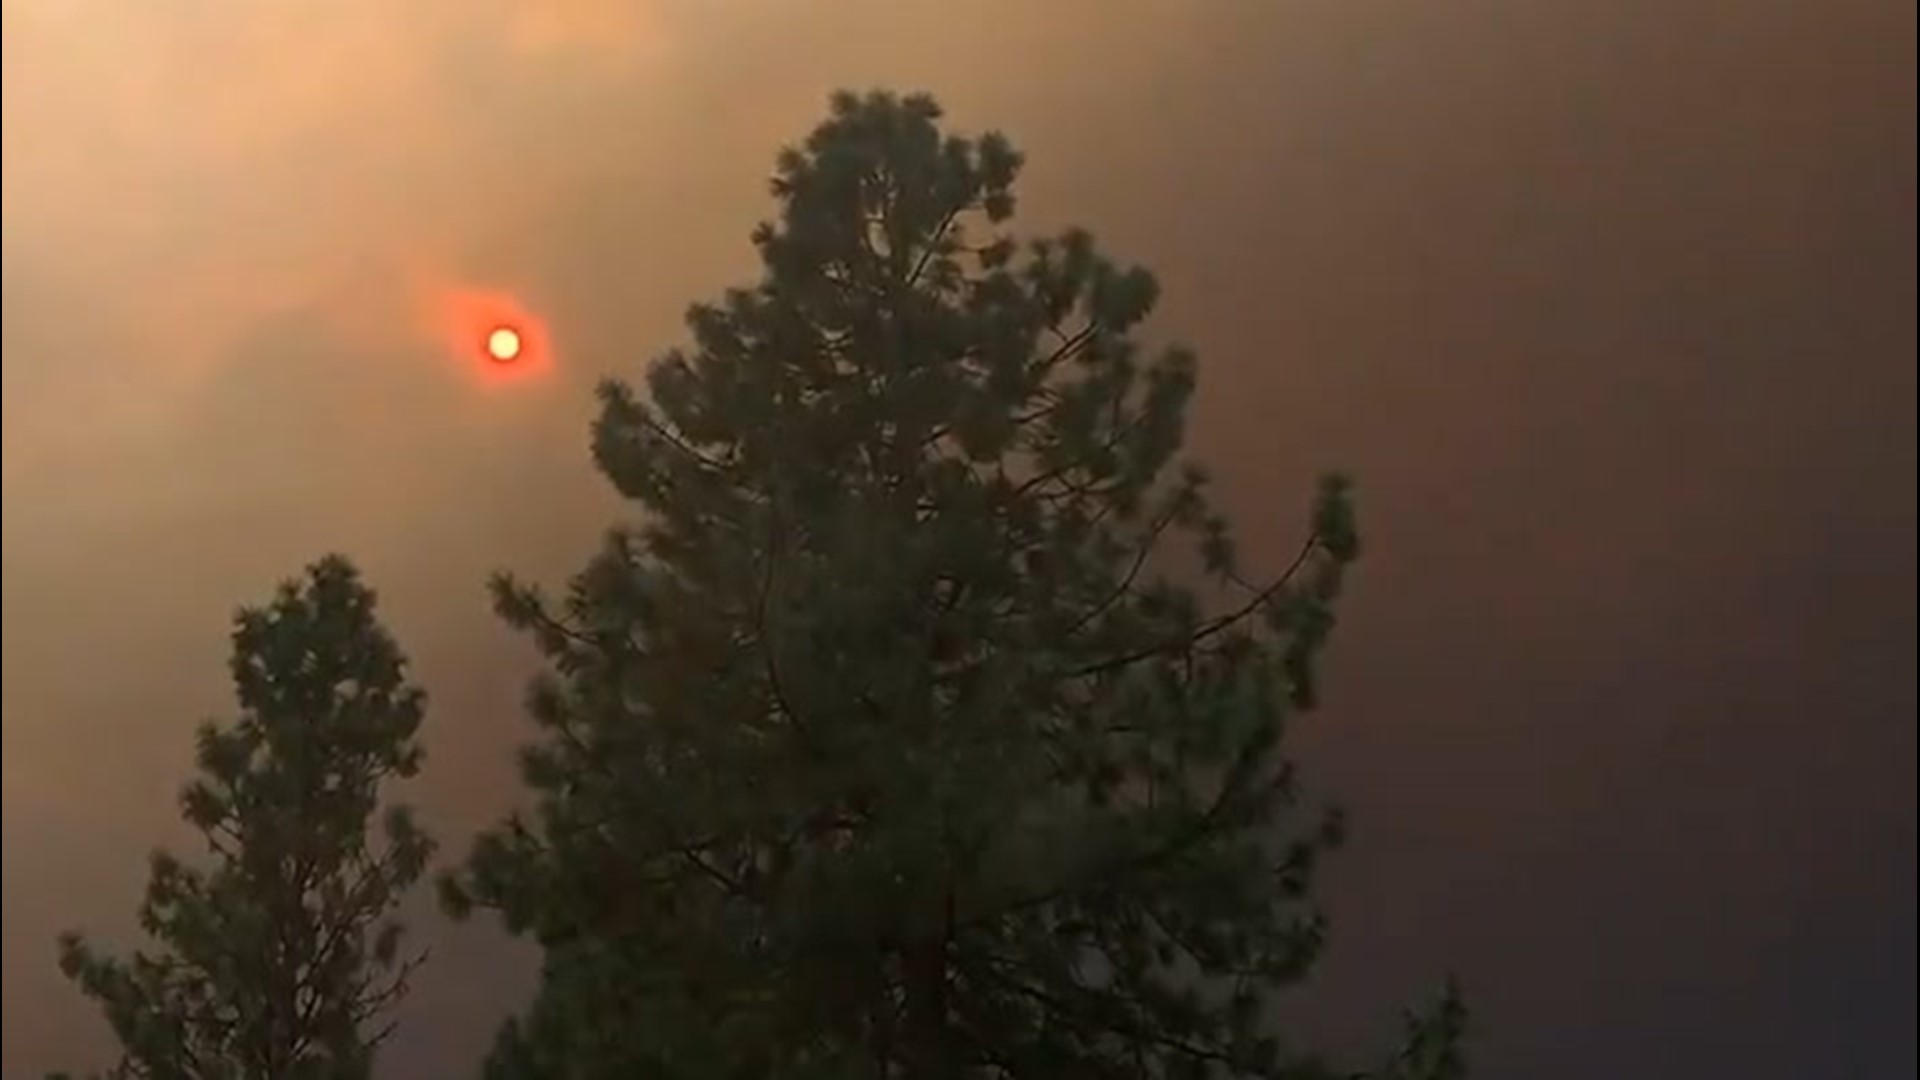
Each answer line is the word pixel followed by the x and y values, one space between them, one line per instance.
pixel 1610 306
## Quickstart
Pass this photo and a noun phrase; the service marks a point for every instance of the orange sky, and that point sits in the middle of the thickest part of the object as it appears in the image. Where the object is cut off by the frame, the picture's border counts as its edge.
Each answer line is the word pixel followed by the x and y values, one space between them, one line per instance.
pixel 1609 305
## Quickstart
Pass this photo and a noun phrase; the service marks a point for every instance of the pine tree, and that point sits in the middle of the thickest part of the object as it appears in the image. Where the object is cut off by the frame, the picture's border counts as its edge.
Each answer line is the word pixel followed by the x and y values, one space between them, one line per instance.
pixel 891 741
pixel 281 960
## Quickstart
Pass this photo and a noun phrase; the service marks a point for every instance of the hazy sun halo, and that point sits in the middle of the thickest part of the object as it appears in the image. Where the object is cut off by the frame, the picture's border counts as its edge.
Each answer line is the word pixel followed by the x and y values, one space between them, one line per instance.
pixel 487 332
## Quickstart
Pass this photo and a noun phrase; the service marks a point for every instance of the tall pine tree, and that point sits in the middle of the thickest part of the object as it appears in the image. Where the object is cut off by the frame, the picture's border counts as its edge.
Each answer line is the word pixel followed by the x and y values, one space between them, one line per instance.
pixel 281 960
pixel 884 744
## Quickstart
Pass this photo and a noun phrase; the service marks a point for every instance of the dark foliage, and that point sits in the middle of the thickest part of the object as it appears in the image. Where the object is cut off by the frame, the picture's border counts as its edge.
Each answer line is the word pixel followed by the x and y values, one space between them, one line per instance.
pixel 884 743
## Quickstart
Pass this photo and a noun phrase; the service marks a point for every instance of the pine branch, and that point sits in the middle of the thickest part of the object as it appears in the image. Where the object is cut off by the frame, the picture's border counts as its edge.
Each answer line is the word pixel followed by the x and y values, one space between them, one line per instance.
pixel 933 244
pixel 1212 626
pixel 1141 553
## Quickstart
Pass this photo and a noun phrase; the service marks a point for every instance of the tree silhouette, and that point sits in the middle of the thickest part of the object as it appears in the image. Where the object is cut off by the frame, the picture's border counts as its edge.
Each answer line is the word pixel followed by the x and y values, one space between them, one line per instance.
pixel 281 960
pixel 886 744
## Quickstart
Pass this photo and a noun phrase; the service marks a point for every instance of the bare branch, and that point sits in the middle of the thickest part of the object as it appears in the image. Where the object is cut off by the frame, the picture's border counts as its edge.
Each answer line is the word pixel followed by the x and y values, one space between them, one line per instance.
pixel 726 882
pixel 1146 548
pixel 933 244
pixel 1211 627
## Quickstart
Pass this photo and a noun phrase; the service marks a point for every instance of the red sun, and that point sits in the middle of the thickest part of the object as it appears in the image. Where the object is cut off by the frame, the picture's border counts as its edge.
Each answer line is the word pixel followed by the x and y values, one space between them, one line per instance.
pixel 493 335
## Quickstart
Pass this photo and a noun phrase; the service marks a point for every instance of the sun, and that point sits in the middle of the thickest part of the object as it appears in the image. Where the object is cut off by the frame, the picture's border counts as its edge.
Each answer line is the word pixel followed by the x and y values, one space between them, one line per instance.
pixel 495 338
pixel 503 344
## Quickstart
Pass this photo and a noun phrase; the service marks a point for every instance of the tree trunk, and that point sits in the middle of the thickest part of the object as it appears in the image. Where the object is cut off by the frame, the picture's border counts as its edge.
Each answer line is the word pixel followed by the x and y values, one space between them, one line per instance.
pixel 929 1049
pixel 927 1052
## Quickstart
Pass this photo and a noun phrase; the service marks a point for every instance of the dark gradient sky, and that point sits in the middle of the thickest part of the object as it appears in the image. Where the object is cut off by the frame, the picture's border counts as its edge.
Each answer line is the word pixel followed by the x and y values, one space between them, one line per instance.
pixel 1611 307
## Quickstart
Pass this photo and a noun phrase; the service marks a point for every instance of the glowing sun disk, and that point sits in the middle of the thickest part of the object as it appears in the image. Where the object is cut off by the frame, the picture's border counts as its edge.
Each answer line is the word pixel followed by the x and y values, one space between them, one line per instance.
pixel 503 343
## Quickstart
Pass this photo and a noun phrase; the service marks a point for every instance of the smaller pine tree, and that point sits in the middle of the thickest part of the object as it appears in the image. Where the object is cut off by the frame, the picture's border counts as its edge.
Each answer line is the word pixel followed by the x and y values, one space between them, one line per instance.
pixel 282 959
